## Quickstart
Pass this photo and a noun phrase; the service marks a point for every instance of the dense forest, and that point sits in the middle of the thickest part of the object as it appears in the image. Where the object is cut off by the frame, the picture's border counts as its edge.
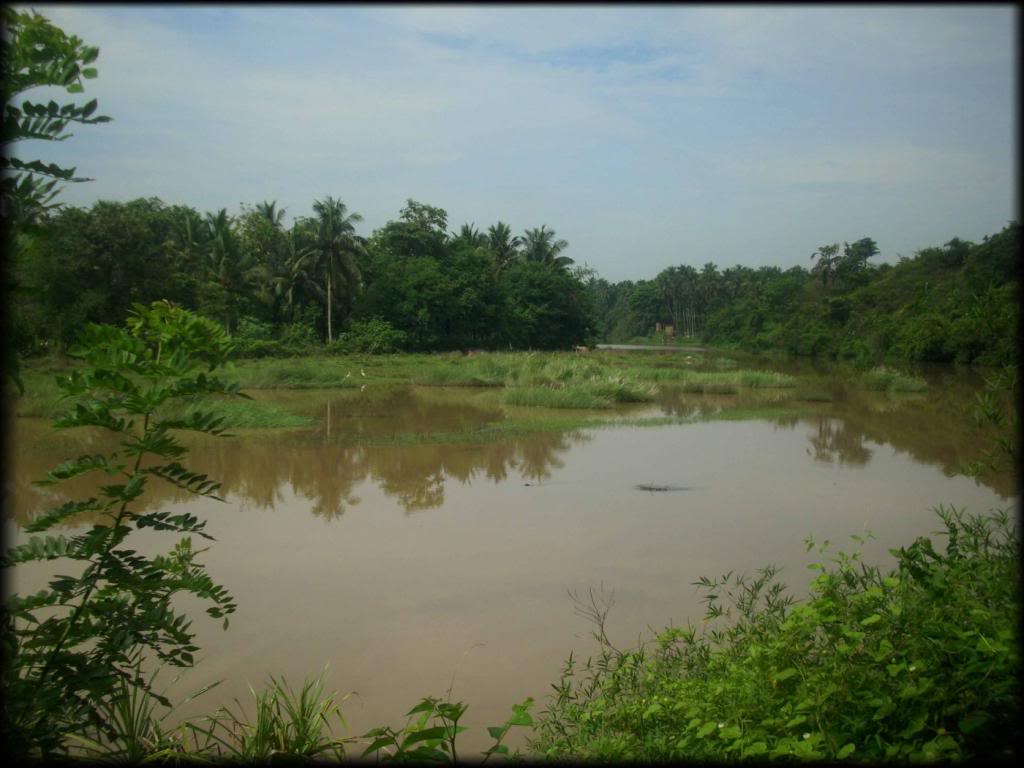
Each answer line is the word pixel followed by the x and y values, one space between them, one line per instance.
pixel 414 284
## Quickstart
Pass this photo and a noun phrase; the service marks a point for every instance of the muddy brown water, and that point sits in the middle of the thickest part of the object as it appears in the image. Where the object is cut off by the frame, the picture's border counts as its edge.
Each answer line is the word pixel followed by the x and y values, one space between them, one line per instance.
pixel 386 544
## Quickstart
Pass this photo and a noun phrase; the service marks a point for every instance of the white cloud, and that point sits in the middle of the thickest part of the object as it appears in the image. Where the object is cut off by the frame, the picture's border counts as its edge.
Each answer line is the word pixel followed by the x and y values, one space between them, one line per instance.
pixel 547 115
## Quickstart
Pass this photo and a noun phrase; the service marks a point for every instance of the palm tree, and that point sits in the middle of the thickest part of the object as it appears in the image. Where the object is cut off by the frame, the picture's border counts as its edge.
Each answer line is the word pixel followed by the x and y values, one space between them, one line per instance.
pixel 540 245
pixel 504 246
pixel 270 213
pixel 298 257
pixel 336 248
pixel 233 272
pixel 828 259
pixel 471 236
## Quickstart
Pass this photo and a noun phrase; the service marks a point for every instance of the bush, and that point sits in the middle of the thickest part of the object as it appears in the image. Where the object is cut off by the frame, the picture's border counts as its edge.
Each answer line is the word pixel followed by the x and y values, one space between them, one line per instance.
pixel 372 336
pixel 919 663
pixel 251 329
pixel 299 335
pixel 73 647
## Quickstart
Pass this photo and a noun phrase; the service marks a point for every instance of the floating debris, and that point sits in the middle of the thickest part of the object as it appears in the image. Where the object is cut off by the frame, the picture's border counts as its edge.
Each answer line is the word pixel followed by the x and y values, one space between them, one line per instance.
pixel 662 488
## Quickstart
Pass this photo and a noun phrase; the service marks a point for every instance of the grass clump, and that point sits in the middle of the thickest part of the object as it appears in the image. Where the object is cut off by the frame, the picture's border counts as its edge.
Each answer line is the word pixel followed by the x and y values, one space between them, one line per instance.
pixel 919 663
pixel 551 397
pixel 248 414
pixel 766 379
pixel 887 380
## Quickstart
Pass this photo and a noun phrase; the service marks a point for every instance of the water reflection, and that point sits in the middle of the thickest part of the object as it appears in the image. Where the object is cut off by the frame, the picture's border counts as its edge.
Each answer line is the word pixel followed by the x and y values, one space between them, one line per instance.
pixel 412 442
pixel 936 427
pixel 395 440
pixel 833 439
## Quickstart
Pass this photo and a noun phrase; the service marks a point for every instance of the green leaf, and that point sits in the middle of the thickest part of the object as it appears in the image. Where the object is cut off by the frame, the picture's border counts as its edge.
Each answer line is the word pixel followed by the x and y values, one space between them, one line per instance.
pixel 427 734
pixel 384 741
pixel 731 733
pixel 846 751
pixel 757 748
pixel 785 674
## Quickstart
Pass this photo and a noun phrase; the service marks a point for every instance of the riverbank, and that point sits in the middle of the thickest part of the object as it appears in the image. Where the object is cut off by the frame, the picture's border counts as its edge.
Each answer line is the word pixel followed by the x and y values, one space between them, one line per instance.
pixel 599 381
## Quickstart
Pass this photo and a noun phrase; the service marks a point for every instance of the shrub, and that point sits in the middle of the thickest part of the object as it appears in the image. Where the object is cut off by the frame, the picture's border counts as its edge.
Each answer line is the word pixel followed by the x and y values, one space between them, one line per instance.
pixel 72 648
pixel 372 336
pixel 919 663
pixel 883 378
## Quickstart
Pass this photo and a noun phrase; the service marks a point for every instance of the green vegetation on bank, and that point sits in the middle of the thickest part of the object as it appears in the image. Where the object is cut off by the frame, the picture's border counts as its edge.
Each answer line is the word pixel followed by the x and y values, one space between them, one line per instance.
pixel 598 380
pixel 919 662
pixel 955 303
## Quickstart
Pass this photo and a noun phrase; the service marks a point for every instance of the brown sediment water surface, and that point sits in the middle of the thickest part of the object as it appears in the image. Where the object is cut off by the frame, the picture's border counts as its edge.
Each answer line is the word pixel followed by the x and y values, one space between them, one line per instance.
pixel 407 540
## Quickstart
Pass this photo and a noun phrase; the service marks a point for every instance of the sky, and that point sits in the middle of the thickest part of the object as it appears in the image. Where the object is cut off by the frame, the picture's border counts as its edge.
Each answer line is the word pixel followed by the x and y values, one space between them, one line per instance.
pixel 645 136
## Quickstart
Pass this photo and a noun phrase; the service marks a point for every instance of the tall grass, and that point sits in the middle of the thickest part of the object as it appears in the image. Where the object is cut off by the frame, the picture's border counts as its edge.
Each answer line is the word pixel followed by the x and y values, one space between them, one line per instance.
pixel 285 723
pixel 885 379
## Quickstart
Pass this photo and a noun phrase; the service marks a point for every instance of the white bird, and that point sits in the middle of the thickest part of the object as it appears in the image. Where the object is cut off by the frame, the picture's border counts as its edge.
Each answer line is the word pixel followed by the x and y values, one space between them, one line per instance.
pixel 348 374
pixel 362 371
pixel 362 388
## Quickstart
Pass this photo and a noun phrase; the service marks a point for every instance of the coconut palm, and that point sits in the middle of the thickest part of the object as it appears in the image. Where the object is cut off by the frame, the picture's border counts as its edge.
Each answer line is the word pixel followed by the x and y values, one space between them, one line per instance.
pixel 270 212
pixel 336 247
pixel 540 245
pixel 503 244
pixel 235 274
pixel 470 235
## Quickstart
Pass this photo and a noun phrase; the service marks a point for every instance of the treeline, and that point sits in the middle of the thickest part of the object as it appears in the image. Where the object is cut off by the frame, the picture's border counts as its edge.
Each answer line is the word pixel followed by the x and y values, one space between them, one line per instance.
pixel 955 303
pixel 414 285
pixel 411 284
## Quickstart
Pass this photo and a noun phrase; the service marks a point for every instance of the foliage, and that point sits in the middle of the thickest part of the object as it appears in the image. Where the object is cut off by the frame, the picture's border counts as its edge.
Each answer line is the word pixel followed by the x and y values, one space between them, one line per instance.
pixel 432 736
pixel 373 337
pixel 73 644
pixel 285 723
pixel 883 378
pixel 956 303
pixel 34 53
pixel 917 663
pixel 996 412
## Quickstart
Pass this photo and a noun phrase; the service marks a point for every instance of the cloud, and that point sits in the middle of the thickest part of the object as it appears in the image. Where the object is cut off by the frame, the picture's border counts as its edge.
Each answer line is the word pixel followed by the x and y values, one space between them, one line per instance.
pixel 661 120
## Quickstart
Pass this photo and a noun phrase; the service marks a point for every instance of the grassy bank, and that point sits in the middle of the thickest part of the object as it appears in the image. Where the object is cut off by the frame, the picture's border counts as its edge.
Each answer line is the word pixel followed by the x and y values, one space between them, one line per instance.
pixel 549 380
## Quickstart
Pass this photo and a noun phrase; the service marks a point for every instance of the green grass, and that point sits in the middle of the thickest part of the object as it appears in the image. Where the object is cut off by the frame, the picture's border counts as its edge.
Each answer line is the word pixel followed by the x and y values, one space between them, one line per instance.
pixel 885 379
pixel 249 414
pixel 547 397
pixel 542 380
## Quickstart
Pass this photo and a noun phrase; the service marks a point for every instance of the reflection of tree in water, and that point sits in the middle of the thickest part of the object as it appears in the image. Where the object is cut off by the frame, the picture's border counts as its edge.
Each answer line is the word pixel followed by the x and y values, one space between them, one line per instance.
pixel 256 469
pixel 834 440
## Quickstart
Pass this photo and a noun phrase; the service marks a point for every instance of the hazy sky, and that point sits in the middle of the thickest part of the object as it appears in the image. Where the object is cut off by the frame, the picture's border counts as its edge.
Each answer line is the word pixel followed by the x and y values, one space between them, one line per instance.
pixel 646 136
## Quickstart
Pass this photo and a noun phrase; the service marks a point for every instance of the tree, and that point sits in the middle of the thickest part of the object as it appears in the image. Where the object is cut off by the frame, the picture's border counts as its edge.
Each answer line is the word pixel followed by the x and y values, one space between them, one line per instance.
pixel 424 216
pixel 504 246
pixel 77 645
pixel 828 260
pixel 471 236
pixel 336 248
pixel 262 238
pixel 547 307
pixel 233 274
pixel 540 245
pixel 35 53
pixel 269 212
